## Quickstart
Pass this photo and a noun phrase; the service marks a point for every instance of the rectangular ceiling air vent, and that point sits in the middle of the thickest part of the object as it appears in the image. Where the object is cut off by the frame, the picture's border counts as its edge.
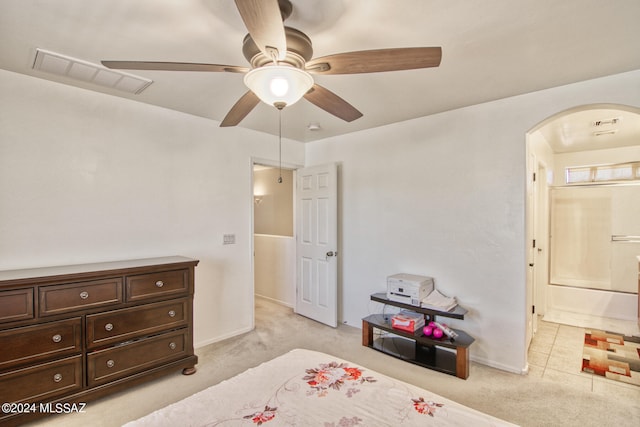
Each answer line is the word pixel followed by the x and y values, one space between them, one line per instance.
pixel 55 63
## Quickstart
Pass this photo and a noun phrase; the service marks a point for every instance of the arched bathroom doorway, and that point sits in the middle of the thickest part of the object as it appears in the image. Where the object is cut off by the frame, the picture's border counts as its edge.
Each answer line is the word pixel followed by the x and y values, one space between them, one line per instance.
pixel 585 136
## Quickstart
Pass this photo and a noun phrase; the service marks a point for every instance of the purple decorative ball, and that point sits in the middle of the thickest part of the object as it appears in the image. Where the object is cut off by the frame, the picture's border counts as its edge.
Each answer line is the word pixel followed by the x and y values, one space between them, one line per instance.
pixel 437 333
pixel 427 330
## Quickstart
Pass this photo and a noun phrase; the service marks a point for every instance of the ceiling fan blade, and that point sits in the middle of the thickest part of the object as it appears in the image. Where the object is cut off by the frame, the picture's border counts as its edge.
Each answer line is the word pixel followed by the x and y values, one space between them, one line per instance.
pixel 332 103
pixel 375 61
pixel 264 22
pixel 173 66
pixel 240 109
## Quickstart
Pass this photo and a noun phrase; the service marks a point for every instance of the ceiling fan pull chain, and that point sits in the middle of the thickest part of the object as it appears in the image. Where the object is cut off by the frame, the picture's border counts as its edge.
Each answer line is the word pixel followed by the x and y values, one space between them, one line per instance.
pixel 280 144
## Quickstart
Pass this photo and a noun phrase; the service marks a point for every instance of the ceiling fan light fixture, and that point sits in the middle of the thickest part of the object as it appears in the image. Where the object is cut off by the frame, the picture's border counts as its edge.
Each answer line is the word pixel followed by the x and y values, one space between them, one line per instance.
pixel 278 84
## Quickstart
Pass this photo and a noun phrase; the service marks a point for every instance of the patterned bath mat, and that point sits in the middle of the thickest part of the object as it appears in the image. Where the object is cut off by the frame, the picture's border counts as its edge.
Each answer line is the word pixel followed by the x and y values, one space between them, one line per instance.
pixel 612 355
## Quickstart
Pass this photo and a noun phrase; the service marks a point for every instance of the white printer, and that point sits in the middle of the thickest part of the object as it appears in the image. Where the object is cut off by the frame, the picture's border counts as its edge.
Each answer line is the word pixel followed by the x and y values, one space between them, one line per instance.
pixel 408 288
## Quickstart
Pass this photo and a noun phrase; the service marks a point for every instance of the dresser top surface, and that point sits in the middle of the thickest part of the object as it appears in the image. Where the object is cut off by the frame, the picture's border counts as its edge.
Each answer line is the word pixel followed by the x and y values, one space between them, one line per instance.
pixel 65 270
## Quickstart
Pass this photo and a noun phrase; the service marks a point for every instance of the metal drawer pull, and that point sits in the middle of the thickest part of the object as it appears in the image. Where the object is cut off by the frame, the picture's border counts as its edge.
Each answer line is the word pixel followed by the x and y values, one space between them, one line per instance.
pixel 172 346
pixel 159 283
pixel 57 338
pixel 84 295
pixel 108 327
pixel 57 378
pixel 172 313
pixel 110 363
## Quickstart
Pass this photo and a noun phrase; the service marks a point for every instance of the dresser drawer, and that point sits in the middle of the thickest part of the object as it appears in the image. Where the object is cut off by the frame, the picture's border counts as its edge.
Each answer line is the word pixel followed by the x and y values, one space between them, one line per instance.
pixel 40 382
pixel 16 305
pixel 166 283
pixel 129 323
pixel 57 299
pixel 30 344
pixel 118 362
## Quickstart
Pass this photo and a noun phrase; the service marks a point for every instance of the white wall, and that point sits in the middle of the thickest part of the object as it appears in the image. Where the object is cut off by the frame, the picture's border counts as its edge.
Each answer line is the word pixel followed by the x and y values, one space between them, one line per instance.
pixel 444 196
pixel 274 212
pixel 275 268
pixel 89 177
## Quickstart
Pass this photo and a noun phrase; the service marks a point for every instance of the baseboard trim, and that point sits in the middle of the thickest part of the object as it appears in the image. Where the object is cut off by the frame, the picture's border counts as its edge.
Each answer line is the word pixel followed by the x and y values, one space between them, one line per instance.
pixel 276 301
pixel 219 338
pixel 500 366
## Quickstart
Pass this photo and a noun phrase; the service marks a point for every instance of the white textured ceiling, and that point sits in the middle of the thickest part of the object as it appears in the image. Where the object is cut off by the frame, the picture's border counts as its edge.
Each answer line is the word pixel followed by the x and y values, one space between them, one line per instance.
pixel 491 49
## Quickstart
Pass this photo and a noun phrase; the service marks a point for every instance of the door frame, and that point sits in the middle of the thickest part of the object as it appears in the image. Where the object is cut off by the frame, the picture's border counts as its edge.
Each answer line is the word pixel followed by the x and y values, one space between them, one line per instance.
pixel 542 225
pixel 537 227
pixel 275 164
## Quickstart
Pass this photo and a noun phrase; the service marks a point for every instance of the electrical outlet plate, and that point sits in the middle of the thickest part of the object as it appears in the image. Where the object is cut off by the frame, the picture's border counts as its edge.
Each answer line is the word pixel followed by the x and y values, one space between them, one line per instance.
pixel 229 239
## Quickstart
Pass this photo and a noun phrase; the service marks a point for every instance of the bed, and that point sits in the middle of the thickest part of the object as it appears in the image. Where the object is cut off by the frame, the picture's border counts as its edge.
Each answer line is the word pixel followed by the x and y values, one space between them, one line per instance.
pixel 308 388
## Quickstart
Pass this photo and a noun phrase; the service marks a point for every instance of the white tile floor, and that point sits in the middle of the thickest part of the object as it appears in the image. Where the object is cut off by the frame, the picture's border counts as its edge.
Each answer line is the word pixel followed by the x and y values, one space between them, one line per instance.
pixel 555 354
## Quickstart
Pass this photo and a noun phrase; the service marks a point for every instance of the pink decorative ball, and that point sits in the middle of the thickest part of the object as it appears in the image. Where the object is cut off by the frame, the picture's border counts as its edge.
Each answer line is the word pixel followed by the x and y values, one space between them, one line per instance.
pixel 427 330
pixel 437 333
pixel 432 324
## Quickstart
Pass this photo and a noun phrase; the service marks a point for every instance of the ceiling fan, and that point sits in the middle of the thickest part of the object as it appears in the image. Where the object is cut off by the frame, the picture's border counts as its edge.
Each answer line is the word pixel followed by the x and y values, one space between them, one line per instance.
pixel 282 64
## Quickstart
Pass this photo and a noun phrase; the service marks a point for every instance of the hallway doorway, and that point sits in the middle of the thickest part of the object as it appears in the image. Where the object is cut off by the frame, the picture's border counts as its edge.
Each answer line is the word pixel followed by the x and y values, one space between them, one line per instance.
pixel 273 240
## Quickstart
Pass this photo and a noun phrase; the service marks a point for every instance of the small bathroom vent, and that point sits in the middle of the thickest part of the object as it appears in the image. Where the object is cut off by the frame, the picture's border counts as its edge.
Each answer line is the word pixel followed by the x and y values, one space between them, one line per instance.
pixel 77 69
pixel 605 132
pixel 613 121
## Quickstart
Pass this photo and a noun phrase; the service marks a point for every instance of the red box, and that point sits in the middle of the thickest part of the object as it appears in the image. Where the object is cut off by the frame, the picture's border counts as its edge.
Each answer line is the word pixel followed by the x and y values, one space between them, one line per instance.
pixel 408 322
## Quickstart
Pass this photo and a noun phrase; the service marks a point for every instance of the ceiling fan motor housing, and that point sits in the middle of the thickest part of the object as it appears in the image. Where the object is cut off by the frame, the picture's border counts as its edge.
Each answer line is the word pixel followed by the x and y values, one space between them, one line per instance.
pixel 299 50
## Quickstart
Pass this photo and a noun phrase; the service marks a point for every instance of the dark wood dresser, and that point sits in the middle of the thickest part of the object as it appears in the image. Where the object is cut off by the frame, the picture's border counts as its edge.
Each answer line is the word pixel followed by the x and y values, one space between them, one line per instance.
pixel 71 334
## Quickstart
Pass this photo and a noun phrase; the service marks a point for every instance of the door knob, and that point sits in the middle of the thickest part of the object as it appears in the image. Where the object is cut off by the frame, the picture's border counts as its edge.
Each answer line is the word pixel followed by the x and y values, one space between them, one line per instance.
pixel 331 253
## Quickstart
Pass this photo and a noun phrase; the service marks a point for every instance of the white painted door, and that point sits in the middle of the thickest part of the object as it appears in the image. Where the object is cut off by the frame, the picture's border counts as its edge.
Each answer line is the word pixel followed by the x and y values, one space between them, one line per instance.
pixel 317 243
pixel 530 233
pixel 541 235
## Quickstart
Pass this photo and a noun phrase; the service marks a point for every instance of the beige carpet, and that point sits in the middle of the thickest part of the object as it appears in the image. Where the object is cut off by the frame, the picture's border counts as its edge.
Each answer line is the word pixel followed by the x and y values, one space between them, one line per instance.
pixel 536 399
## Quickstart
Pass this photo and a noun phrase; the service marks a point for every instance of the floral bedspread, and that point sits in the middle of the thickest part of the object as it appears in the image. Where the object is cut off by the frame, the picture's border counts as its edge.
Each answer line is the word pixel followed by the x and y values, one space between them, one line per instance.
pixel 308 388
